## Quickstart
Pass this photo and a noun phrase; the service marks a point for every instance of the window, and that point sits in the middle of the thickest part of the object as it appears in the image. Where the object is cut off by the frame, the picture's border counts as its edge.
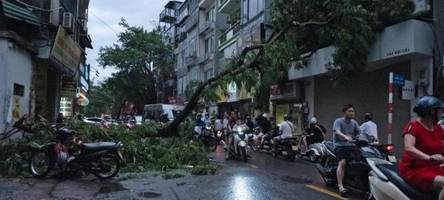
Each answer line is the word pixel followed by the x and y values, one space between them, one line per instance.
pixel 251 8
pixel 211 15
pixel 209 45
pixel 19 90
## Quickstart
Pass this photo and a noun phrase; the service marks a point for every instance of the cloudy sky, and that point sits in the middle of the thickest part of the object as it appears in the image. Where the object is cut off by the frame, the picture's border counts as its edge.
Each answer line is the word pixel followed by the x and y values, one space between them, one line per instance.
pixel 104 16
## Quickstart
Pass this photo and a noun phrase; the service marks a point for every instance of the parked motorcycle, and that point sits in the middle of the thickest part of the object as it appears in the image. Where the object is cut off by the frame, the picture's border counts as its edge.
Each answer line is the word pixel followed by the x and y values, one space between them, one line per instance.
pixel 284 147
pixel 102 159
pixel 238 148
pixel 356 174
pixel 314 151
pixel 385 183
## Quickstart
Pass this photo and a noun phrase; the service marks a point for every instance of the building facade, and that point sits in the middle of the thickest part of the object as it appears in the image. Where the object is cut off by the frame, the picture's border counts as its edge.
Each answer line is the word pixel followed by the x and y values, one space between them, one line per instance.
pixel 42 49
pixel 405 49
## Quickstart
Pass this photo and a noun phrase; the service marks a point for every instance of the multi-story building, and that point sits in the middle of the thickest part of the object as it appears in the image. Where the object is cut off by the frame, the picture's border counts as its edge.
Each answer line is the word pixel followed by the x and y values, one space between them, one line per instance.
pixel 187 35
pixel 239 24
pixel 208 33
pixel 42 46
pixel 168 17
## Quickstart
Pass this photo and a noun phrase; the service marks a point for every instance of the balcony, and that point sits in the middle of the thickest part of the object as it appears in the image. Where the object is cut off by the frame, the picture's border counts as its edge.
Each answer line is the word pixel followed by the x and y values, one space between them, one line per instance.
pixel 207 27
pixel 228 6
pixel 183 15
pixel 168 16
pixel 229 36
pixel 192 22
pixel 205 3
pixel 206 57
pixel 191 59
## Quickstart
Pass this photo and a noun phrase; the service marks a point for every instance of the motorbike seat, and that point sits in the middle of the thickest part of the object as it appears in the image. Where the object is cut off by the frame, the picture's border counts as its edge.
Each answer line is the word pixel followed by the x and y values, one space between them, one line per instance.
pixel 330 146
pixel 391 171
pixel 100 146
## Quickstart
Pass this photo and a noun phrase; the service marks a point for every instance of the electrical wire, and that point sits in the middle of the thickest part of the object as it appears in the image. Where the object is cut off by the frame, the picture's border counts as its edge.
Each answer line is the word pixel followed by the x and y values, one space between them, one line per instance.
pixel 103 22
pixel 37 8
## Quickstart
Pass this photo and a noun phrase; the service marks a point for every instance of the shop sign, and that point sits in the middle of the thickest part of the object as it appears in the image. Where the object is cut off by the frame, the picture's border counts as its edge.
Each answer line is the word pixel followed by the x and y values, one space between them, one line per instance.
pixel 84 83
pixel 66 50
pixel 69 87
pixel 408 91
pixel 399 80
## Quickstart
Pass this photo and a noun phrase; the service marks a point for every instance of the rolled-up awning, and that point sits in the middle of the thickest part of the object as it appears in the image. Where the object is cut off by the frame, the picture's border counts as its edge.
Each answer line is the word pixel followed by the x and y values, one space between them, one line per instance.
pixel 18 12
pixel 82 99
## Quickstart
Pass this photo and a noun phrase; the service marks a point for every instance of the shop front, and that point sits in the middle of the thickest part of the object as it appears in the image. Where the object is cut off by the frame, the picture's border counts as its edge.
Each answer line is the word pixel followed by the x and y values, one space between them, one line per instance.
pixel 235 99
pixel 289 100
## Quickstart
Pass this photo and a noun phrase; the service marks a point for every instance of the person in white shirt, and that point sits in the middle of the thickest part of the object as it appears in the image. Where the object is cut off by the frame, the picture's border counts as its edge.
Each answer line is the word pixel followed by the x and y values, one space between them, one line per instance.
pixel 285 130
pixel 369 129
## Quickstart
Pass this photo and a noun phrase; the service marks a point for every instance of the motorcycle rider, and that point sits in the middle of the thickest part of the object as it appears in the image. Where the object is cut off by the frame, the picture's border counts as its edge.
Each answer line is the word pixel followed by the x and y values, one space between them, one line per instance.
pixel 286 130
pixel 199 124
pixel 369 129
pixel 344 129
pixel 218 126
pixel 424 146
pixel 239 124
pixel 316 133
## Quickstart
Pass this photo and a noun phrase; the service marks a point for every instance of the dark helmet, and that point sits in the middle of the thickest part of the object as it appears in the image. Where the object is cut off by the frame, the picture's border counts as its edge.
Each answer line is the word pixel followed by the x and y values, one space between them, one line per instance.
pixel 368 116
pixel 427 104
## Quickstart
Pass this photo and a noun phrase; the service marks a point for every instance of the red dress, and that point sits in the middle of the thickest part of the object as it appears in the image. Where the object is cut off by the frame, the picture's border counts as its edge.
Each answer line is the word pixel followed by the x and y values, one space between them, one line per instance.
pixel 421 173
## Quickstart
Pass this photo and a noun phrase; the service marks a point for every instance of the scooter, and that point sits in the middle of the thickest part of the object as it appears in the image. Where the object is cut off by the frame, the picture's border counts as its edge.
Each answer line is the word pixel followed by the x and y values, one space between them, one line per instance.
pixel 314 151
pixel 238 149
pixel 385 183
pixel 356 174
pixel 284 147
pixel 102 159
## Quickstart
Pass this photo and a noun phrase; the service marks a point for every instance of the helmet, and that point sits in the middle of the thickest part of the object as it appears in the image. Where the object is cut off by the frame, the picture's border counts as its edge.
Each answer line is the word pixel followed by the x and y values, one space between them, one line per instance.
pixel 426 105
pixel 264 115
pixel 313 120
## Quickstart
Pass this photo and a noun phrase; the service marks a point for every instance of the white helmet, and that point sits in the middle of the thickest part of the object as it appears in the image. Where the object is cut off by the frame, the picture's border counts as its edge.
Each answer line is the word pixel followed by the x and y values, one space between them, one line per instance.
pixel 313 120
pixel 264 115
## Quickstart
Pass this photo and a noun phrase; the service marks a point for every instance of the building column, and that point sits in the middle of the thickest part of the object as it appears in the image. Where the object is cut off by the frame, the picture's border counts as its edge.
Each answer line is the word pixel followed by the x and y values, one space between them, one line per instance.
pixel 422 76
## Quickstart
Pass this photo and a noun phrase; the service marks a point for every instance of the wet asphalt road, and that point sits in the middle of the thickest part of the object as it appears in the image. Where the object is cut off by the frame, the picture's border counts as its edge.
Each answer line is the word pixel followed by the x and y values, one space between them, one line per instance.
pixel 263 177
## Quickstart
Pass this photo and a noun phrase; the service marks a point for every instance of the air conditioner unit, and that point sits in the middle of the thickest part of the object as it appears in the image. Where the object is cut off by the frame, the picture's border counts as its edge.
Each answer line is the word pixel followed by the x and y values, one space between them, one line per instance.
pixel 68 21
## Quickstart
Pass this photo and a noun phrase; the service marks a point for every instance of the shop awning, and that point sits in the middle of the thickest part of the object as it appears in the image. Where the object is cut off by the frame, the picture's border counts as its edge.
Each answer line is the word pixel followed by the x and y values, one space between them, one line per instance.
pixel 20 13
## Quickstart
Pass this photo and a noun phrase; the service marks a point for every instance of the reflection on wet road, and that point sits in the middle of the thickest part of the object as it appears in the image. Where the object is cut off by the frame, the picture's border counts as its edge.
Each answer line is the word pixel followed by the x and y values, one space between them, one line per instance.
pixel 261 178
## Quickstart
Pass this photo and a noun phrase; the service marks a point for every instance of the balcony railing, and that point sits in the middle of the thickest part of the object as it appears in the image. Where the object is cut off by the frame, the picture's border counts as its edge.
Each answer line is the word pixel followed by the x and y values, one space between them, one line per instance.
pixel 168 16
pixel 229 36
pixel 183 15
pixel 207 56
pixel 207 26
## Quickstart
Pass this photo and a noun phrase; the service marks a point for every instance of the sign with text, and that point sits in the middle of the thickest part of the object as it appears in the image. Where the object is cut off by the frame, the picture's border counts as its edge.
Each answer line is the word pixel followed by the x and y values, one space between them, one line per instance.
pixel 66 50
pixel 408 91
pixel 398 80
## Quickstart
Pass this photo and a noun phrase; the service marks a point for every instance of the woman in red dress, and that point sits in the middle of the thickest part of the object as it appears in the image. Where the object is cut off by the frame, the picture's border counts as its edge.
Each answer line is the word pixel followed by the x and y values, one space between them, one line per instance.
pixel 424 148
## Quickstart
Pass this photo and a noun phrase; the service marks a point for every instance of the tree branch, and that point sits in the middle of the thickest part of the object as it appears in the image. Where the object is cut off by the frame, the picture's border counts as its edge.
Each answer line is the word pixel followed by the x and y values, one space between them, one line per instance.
pixel 172 128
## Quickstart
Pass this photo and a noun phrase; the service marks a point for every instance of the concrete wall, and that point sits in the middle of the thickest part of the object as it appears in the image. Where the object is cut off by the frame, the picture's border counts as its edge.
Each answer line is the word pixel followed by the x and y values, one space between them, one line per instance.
pixel 16 67
pixel 368 92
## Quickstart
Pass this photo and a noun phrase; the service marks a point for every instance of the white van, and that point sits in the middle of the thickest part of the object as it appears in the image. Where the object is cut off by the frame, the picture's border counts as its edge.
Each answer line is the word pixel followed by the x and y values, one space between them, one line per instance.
pixel 154 111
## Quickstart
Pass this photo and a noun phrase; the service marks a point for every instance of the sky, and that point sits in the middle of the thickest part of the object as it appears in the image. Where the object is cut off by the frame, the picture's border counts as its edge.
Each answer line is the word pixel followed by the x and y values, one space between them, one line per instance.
pixel 104 17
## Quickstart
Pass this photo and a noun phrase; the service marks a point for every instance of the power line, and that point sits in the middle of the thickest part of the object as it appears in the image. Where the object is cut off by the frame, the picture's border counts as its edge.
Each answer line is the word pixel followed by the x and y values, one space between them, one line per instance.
pixel 103 22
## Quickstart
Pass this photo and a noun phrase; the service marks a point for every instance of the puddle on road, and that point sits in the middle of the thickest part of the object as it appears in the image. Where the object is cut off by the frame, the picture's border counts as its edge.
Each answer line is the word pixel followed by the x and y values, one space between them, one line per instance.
pixel 108 187
pixel 297 180
pixel 149 194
